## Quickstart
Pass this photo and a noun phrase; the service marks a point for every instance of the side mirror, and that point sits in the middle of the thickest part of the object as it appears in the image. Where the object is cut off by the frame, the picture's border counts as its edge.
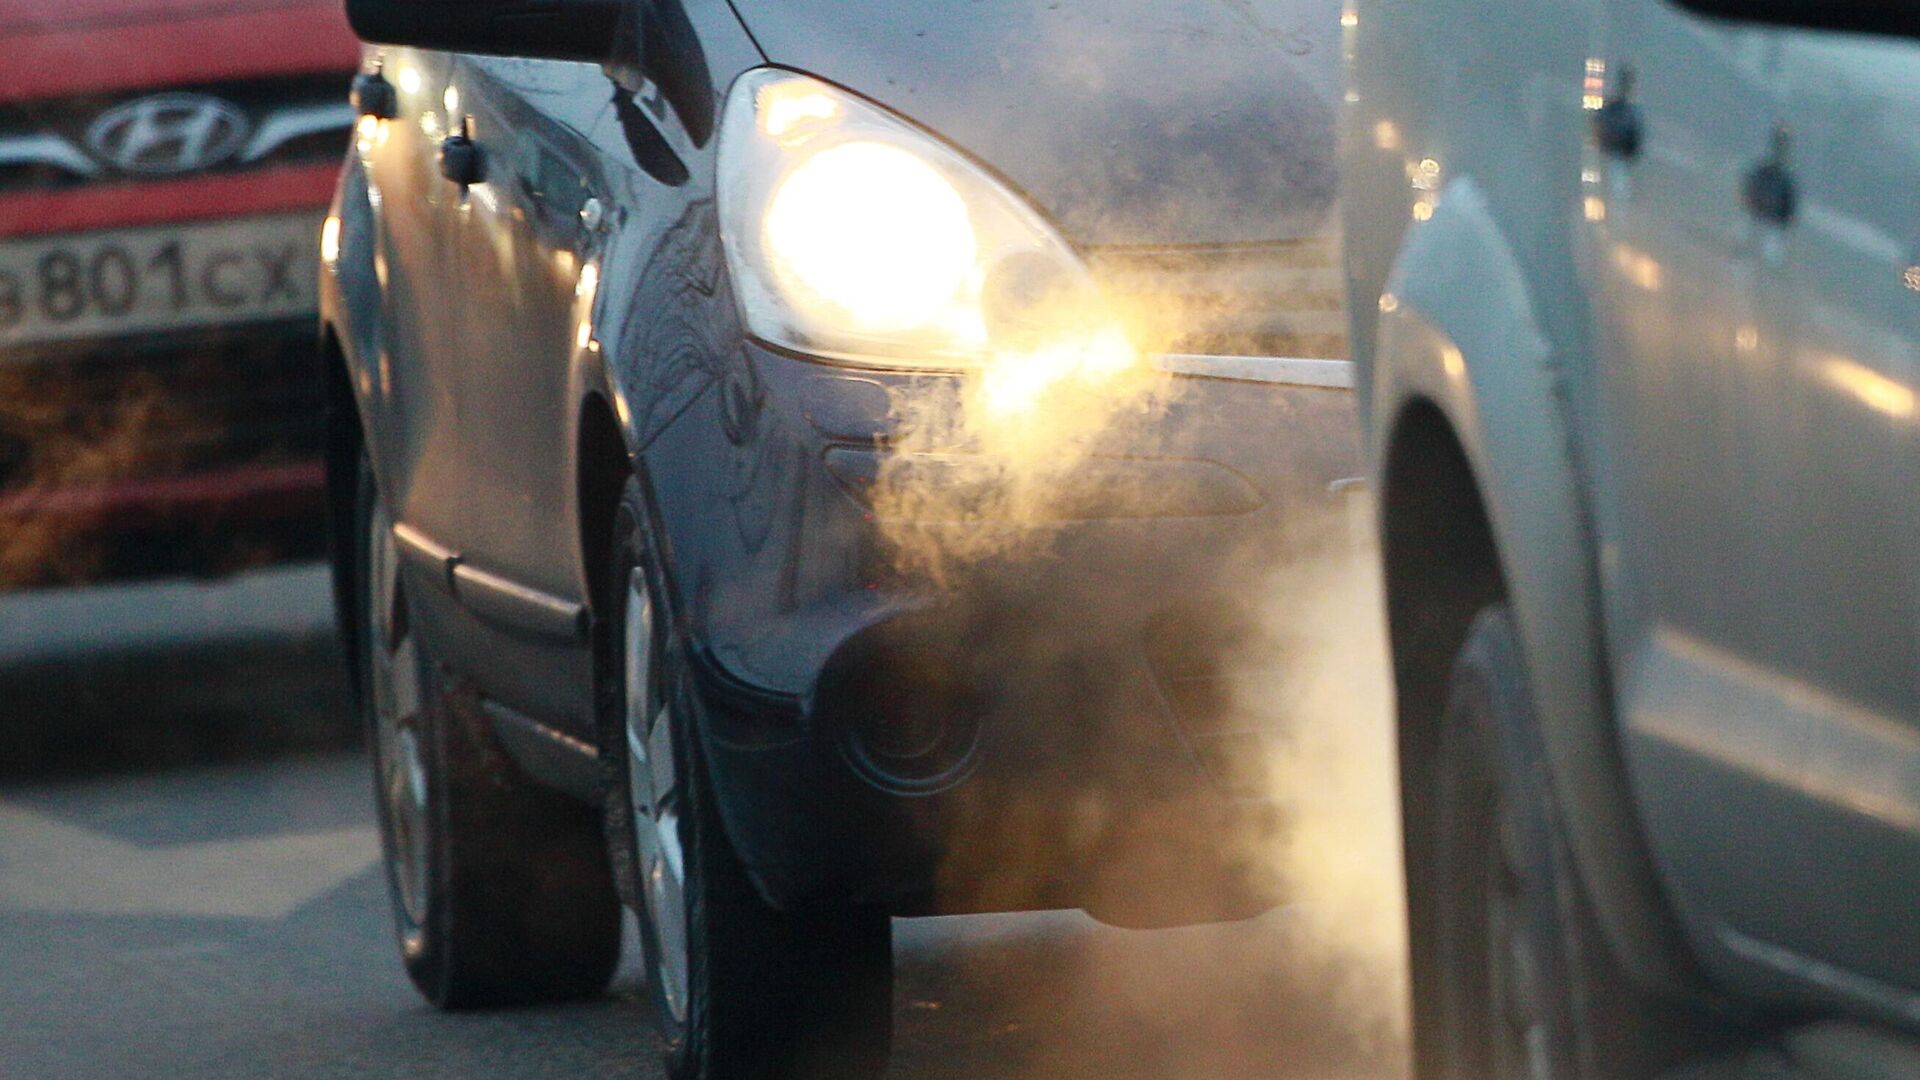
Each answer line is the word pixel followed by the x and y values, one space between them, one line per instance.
pixel 540 29
pixel 1900 18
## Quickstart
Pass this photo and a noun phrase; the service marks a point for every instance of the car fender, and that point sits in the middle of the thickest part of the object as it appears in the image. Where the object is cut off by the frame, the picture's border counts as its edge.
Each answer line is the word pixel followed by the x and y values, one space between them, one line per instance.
pixel 618 366
pixel 594 384
pixel 1457 329
pixel 348 292
pixel 349 285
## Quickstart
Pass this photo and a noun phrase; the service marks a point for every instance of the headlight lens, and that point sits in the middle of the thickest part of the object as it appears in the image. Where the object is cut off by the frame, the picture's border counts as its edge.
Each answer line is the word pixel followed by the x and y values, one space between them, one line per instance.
pixel 869 236
pixel 854 236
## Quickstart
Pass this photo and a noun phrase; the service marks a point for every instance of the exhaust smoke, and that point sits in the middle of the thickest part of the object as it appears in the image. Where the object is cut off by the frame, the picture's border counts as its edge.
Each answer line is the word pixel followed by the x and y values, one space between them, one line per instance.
pixel 1317 987
pixel 1007 442
pixel 1335 773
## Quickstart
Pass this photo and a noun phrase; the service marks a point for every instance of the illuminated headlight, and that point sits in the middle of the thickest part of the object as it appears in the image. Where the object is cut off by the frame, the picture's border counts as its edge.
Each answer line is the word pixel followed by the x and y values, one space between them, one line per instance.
pixel 854 236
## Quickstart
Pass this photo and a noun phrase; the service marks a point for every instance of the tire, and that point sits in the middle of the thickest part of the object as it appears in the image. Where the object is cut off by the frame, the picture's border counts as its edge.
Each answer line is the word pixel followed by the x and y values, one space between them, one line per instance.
pixel 1519 983
pixel 742 990
pixel 501 890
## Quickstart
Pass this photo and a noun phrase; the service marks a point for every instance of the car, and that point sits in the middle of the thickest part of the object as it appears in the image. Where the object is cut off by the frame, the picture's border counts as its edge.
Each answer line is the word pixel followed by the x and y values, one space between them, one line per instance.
pixel 165 166
pixel 794 465
pixel 1632 289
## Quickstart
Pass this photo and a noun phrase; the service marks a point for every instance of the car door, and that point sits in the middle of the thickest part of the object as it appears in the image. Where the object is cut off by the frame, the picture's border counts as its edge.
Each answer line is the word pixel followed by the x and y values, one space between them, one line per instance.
pixel 1837 747
pixel 1758 610
pixel 411 208
pixel 1685 403
pixel 524 243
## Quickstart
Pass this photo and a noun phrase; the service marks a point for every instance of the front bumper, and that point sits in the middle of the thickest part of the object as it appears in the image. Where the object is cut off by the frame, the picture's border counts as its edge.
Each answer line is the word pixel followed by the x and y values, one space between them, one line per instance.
pixel 195 453
pixel 1062 723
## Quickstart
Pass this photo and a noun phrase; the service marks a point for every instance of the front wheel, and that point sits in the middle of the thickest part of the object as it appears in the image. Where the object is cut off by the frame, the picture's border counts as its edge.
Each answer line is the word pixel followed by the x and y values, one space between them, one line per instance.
pixel 743 991
pixel 1517 983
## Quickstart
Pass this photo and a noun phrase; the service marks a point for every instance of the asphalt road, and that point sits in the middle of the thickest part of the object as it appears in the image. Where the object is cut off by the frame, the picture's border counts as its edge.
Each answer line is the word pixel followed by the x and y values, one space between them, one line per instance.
pixel 163 916
pixel 231 921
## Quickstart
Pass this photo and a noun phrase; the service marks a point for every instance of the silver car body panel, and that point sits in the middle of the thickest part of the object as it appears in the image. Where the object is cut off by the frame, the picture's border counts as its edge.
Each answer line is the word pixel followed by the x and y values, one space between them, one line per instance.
pixel 1694 434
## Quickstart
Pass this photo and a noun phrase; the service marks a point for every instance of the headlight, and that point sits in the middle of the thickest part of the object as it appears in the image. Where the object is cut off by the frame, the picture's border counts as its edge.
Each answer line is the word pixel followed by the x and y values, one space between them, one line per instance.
pixel 854 236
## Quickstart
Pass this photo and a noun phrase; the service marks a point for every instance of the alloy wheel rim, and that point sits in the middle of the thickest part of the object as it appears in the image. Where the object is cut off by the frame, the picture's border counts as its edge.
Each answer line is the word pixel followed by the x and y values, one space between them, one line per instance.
pixel 1521 1044
pixel 394 671
pixel 654 796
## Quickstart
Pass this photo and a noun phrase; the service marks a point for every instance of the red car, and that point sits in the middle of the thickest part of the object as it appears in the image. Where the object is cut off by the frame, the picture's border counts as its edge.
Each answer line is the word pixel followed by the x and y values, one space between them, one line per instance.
pixel 164 171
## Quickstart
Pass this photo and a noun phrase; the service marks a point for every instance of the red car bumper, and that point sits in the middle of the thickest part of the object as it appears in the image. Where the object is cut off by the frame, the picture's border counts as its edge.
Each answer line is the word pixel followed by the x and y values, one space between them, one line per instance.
pixel 177 445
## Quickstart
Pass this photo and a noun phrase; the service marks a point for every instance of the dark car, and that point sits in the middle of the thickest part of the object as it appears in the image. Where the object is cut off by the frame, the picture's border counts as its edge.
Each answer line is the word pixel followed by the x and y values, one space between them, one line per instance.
pixel 832 443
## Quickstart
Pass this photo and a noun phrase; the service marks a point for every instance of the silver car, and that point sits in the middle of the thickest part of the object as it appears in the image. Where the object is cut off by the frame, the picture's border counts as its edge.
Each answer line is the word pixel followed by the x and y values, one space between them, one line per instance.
pixel 1634 312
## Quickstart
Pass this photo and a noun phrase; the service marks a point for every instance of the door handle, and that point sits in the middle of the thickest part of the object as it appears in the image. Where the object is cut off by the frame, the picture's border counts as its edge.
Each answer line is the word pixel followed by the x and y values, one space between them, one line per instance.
pixel 1617 124
pixel 460 158
pixel 1769 190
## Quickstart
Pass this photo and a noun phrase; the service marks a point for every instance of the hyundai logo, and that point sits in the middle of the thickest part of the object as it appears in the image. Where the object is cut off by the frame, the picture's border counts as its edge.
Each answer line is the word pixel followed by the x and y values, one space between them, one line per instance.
pixel 168 133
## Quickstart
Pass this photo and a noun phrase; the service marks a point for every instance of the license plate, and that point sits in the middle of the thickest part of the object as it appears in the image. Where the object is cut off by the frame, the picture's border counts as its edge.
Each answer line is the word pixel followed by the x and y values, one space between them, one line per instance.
pixel 158 278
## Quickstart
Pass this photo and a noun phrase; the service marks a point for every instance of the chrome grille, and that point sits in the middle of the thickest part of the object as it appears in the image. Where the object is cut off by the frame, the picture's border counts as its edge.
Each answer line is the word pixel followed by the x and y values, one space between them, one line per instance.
pixel 1282 299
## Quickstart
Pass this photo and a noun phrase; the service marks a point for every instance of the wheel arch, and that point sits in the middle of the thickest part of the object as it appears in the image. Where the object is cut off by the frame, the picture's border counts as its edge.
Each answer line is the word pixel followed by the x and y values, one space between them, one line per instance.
pixel 343 438
pixel 602 464
pixel 1441 566
pixel 1482 498
pixel 349 300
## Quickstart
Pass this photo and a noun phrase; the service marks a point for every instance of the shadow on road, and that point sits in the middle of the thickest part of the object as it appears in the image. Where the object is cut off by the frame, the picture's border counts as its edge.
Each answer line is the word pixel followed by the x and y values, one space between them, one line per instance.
pixel 147 713
pixel 1055 995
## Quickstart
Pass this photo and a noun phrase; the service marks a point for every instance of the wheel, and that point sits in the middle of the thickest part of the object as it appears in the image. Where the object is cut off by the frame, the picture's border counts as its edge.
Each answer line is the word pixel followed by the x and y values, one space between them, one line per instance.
pixel 743 991
pixel 1518 983
pixel 501 889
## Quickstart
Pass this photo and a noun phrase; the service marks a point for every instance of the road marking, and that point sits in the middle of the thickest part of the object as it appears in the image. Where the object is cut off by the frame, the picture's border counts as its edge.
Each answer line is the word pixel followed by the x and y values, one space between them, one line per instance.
pixel 50 866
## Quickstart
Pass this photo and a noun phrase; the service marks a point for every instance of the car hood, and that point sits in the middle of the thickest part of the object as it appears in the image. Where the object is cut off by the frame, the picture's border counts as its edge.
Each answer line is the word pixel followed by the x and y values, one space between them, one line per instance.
pixel 1130 122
